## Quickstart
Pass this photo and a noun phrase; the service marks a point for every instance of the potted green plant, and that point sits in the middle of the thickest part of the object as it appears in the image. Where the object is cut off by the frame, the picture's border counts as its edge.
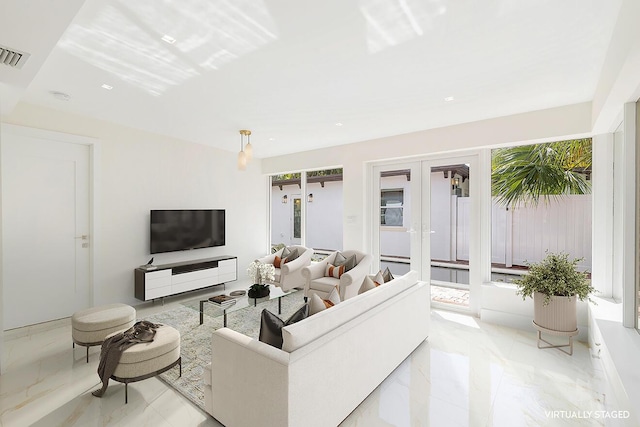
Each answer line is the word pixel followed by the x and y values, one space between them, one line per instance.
pixel 555 284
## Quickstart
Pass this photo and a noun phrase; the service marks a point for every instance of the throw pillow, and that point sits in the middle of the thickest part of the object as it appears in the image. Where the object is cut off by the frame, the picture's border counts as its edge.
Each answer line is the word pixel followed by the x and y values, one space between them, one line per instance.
pixel 371 282
pixel 317 304
pixel 271 325
pixel 339 259
pixel 277 262
pixel 334 271
pixel 350 263
pixel 292 255
pixel 387 276
pixel 285 252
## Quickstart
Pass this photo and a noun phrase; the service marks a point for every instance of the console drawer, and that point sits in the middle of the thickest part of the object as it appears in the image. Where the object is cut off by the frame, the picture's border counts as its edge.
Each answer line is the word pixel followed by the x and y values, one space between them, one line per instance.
pixel 210 273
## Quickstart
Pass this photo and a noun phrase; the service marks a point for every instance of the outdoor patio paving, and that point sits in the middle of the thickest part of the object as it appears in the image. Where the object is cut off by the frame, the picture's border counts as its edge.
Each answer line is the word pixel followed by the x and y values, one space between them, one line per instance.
pixel 450 295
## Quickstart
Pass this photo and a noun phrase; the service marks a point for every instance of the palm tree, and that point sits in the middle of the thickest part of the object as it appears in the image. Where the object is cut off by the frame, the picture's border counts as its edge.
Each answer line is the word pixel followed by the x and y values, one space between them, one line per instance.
pixel 528 173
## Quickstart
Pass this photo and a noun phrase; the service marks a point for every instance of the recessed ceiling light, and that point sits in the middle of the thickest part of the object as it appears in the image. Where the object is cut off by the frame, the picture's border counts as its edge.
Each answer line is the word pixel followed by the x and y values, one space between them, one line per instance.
pixel 338 124
pixel 60 96
pixel 272 139
pixel 167 38
pixel 449 98
pixel 106 86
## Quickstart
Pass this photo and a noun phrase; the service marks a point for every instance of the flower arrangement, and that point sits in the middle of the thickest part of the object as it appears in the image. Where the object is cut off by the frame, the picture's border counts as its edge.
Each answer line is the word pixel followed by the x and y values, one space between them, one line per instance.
pixel 259 272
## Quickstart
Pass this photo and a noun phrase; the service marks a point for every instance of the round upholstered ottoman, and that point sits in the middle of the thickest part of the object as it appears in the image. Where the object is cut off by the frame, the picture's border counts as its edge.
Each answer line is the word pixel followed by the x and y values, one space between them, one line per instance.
pixel 146 360
pixel 91 326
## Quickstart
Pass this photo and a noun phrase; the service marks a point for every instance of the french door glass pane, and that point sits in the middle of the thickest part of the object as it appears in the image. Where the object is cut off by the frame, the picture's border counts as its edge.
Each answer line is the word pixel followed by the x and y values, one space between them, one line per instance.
pixel 395 221
pixel 449 233
pixel 284 189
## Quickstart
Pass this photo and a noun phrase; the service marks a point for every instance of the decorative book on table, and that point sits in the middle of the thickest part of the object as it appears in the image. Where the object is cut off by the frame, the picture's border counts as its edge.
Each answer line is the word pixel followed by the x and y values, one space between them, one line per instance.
pixel 224 300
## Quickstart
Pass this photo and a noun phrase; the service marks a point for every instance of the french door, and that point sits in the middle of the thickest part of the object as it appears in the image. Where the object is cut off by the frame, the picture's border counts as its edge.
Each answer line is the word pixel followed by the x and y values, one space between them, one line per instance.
pixel 423 220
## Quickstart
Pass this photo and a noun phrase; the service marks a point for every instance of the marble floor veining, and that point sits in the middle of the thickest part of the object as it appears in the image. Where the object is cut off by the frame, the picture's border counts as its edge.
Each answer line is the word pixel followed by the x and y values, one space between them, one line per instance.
pixel 469 373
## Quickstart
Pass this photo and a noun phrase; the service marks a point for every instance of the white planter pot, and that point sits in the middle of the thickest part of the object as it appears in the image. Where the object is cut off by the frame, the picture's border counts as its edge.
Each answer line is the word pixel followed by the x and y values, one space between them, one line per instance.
pixel 559 315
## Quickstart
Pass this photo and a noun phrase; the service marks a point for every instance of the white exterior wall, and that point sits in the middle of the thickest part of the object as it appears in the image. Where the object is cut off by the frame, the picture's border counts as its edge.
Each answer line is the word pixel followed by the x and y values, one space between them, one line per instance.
pixel 324 215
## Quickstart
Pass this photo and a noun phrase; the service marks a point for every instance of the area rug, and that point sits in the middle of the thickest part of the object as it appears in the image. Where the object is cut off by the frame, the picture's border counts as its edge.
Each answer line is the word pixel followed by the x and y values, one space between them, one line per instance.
pixel 195 339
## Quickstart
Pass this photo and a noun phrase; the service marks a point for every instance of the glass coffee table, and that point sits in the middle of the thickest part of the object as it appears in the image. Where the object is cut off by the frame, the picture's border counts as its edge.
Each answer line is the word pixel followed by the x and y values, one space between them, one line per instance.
pixel 211 309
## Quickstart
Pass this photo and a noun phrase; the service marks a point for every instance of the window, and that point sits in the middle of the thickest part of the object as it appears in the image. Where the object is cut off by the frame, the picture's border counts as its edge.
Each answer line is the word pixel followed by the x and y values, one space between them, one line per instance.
pixel 306 209
pixel 391 207
pixel 541 202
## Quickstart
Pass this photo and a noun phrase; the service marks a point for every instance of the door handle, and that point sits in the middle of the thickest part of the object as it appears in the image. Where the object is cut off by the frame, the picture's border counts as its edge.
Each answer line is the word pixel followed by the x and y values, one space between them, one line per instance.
pixel 83 237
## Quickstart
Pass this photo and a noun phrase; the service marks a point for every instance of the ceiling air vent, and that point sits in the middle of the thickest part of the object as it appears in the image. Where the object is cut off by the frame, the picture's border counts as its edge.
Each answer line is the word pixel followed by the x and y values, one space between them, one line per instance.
pixel 13 58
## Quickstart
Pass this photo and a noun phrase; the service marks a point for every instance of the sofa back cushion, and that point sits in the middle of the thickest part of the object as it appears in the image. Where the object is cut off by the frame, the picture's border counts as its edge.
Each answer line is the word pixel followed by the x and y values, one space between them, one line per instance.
pixel 301 333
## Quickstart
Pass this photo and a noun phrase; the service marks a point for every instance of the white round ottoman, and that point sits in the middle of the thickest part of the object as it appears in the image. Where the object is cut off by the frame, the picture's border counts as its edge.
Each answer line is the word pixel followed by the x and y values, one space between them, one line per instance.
pixel 146 360
pixel 91 326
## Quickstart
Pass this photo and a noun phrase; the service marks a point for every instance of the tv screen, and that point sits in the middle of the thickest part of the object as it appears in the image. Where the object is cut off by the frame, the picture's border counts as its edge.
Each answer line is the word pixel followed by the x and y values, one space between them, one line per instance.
pixel 179 230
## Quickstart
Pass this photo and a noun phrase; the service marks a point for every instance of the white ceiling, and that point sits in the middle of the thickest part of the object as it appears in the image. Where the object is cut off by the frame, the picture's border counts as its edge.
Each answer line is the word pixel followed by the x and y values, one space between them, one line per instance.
pixel 290 70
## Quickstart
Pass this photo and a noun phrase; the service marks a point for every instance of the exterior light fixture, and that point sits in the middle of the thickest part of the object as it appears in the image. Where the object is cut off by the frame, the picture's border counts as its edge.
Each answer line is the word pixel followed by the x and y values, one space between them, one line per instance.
pixel 284 199
pixel 310 198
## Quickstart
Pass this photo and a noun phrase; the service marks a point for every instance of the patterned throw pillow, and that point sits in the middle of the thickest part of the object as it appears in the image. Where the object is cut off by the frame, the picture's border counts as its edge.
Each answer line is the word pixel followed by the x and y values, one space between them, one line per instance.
pixel 317 304
pixel 334 271
pixel 271 325
pixel 387 276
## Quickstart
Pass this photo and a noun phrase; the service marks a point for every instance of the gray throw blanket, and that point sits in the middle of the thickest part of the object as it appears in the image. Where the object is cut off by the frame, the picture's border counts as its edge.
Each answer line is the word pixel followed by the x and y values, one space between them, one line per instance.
pixel 112 348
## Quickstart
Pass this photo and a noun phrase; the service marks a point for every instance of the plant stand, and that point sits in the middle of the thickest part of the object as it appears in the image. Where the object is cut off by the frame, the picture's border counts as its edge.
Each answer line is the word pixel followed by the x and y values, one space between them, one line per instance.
pixel 560 347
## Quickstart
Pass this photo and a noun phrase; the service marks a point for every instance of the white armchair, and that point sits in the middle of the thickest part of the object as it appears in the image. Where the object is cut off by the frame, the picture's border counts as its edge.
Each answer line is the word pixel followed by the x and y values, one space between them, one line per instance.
pixel 348 284
pixel 289 275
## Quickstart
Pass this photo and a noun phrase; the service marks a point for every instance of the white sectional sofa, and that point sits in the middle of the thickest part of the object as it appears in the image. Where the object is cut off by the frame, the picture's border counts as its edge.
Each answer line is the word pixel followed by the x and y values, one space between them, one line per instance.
pixel 329 363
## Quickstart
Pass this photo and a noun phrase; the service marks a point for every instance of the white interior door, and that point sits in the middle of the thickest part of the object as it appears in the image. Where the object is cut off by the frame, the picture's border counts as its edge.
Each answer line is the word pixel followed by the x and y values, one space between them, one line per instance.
pixel 45 220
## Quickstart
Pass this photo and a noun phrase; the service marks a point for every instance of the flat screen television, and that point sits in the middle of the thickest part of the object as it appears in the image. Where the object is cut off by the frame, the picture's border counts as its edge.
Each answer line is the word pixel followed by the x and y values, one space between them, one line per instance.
pixel 180 230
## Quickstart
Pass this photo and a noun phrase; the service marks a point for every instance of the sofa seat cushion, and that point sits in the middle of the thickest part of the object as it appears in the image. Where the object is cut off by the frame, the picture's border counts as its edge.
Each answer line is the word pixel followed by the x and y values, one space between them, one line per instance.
pixel 326 284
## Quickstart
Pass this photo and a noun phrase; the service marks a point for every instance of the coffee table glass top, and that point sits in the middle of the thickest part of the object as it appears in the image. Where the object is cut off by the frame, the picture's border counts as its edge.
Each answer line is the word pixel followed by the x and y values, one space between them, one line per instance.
pixel 215 310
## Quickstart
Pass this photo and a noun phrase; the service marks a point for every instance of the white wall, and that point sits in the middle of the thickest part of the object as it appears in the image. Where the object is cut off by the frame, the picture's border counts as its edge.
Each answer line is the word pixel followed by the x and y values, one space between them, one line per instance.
pixel 139 171
pixel 324 215
pixel 536 126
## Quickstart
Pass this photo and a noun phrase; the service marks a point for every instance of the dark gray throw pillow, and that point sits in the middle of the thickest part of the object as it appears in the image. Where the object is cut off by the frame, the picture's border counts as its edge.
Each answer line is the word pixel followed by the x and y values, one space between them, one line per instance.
pixel 339 259
pixel 285 252
pixel 348 263
pixel 293 254
pixel 271 325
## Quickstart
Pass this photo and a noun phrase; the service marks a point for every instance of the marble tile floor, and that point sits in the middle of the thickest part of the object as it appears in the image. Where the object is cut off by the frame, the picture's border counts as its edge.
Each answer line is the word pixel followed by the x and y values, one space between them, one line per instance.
pixel 468 373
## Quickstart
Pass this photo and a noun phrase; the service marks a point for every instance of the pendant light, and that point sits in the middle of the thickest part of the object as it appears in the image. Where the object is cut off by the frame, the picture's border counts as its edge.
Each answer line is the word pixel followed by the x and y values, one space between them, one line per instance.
pixel 245 153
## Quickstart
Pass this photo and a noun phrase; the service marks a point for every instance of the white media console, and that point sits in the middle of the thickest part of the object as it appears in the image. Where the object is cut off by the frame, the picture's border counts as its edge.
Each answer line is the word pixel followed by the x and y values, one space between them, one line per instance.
pixel 171 279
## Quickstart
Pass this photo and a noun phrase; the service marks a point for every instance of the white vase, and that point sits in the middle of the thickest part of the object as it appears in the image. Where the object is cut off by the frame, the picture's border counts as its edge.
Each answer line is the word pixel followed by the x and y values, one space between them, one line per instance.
pixel 559 315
